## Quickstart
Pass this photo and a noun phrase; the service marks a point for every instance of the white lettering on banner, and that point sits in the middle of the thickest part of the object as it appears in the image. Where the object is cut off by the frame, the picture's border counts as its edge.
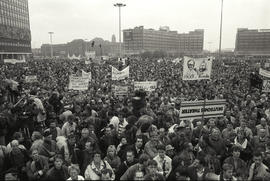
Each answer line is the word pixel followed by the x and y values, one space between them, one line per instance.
pixel 85 74
pixel 78 83
pixel 264 73
pixel 212 108
pixel 31 79
pixel 120 90
pixel 147 85
pixel 14 61
pixel 266 86
pixel 197 68
pixel 120 75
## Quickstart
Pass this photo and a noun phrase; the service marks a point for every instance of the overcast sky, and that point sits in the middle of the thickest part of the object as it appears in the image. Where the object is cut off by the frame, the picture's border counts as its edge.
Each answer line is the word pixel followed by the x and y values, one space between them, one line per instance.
pixel 87 19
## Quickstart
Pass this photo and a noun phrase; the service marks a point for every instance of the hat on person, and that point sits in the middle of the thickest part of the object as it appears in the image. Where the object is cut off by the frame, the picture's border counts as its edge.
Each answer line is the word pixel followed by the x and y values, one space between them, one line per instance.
pixel 169 147
pixel 47 133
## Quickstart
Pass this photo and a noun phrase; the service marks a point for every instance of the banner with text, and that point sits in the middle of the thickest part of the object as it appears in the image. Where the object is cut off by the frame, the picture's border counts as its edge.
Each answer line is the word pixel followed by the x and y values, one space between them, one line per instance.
pixel 197 68
pixel 197 109
pixel 120 90
pixel 148 86
pixel 78 83
pixel 31 79
pixel 14 61
pixel 90 54
pixel 266 86
pixel 120 75
pixel 87 74
pixel 264 73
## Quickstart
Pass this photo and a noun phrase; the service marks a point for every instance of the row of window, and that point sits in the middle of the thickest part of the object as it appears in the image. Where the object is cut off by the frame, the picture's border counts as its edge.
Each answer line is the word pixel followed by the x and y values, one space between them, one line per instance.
pixel 14 44
pixel 14 3
pixel 14 22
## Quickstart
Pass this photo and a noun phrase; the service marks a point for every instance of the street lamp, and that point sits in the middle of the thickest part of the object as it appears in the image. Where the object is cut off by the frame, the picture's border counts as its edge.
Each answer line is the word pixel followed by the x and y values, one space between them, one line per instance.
pixel 119 5
pixel 51 33
pixel 220 32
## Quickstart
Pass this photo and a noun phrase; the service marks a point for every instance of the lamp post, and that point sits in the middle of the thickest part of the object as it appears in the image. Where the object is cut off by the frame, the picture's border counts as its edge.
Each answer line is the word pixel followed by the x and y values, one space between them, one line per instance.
pixel 51 33
pixel 119 5
pixel 220 32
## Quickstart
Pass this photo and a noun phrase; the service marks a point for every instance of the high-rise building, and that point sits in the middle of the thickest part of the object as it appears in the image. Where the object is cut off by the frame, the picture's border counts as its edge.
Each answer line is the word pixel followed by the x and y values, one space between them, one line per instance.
pixel 139 39
pixel 113 39
pixel 15 35
pixel 252 42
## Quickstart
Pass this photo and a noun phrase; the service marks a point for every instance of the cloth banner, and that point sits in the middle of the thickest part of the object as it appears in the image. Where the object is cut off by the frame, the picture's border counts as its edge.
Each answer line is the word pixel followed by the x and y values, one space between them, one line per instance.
pixel 14 61
pixel 31 79
pixel 120 75
pixel 120 90
pixel 266 86
pixel 90 54
pixel 197 68
pixel 78 83
pixel 87 62
pixel 85 74
pixel 197 109
pixel 148 86
pixel 264 73
pixel 73 57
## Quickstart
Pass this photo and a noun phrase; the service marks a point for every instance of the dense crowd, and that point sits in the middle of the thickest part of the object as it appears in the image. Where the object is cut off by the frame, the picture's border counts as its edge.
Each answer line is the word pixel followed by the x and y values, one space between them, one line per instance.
pixel 48 132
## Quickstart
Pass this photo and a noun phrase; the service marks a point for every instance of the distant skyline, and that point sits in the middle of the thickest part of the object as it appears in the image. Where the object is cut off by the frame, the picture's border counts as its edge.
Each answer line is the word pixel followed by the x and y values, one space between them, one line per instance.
pixel 87 19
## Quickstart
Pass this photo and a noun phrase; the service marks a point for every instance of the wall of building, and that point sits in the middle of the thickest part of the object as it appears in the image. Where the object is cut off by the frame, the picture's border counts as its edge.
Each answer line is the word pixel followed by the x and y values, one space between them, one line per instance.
pixel 15 35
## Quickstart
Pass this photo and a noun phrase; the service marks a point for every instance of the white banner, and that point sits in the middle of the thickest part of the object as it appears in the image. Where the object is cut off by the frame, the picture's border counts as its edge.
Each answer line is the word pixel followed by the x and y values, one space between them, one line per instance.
pixel 196 109
pixel 264 73
pixel 266 65
pixel 85 74
pixel 78 83
pixel 266 86
pixel 90 54
pixel 148 86
pixel 120 75
pixel 120 90
pixel 31 79
pixel 87 62
pixel 14 61
pixel 73 57
pixel 197 68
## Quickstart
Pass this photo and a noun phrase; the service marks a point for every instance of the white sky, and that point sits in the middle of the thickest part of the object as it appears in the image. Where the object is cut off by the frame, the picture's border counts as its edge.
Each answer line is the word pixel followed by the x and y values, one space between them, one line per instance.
pixel 87 19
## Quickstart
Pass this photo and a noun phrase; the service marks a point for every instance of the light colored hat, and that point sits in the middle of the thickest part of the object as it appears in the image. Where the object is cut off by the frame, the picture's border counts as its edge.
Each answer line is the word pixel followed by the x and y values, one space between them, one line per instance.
pixel 169 147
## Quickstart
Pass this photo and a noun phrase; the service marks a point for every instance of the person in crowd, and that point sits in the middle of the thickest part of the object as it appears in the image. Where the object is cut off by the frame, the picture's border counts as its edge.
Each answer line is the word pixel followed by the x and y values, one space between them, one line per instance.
pixel 263 125
pixel 139 175
pixel 164 163
pixel 93 170
pixel 247 130
pixel 137 148
pixel 242 142
pixel 109 138
pixel 257 169
pixel 59 171
pixel 74 171
pixel 49 147
pixel 37 167
pixel 150 147
pixel 259 141
pixel 106 174
pixel 70 126
pixel 140 166
pixel 239 166
pixel 87 155
pixel 130 160
pixel 152 171
pixel 121 148
pixel 112 158
pixel 70 152
pixel 56 131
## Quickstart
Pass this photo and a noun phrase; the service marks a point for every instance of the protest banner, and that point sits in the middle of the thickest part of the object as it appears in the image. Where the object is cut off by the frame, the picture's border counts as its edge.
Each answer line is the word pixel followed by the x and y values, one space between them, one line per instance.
pixel 87 74
pixel 87 62
pixel 14 61
pixel 120 90
pixel 199 109
pixel 31 79
pixel 148 86
pixel 266 86
pixel 264 73
pixel 78 83
pixel 120 75
pixel 266 65
pixel 197 68
pixel 90 54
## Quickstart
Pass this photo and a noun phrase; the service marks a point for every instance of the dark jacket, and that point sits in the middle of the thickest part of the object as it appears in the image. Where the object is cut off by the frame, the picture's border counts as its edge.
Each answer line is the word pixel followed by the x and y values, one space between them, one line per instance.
pixel 58 175
pixel 33 167
pixel 123 168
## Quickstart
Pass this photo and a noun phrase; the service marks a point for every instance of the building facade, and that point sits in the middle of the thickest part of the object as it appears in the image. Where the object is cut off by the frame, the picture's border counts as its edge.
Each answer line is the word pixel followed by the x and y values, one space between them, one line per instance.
pixel 15 34
pixel 252 42
pixel 139 39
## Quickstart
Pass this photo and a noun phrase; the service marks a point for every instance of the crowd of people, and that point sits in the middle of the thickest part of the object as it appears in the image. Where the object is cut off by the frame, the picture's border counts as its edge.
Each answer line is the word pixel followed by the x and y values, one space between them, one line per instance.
pixel 49 132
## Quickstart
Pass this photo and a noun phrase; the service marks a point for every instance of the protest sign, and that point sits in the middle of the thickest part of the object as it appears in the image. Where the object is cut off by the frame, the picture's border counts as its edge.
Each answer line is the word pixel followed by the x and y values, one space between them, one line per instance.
pixel 14 61
pixel 266 86
pixel 85 74
pixel 31 79
pixel 264 73
pixel 120 90
pixel 197 109
pixel 197 68
pixel 120 75
pixel 148 86
pixel 78 83
pixel 90 54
